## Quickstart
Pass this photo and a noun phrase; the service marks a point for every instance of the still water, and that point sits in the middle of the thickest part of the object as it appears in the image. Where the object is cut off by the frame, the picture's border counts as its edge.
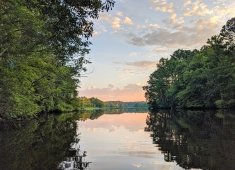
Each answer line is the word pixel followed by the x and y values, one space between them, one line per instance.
pixel 121 140
pixel 118 141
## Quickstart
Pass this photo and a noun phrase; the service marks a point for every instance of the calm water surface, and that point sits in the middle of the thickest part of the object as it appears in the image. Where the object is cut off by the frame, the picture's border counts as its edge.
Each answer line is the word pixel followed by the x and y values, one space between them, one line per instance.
pixel 121 141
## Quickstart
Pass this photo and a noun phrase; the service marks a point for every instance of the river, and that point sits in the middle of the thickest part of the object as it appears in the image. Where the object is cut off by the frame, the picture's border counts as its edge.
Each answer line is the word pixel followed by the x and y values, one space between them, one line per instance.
pixel 121 140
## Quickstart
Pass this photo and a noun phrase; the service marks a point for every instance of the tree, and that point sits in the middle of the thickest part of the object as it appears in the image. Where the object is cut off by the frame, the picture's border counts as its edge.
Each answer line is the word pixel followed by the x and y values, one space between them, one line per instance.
pixel 202 78
pixel 43 43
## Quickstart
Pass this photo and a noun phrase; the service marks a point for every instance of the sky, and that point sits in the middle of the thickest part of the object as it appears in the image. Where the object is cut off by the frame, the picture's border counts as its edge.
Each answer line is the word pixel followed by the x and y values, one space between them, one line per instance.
pixel 129 41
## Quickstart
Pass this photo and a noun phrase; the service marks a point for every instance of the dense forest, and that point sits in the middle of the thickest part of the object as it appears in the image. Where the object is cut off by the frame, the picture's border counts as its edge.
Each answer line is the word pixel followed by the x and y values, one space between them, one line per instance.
pixel 42 53
pixel 120 104
pixel 196 79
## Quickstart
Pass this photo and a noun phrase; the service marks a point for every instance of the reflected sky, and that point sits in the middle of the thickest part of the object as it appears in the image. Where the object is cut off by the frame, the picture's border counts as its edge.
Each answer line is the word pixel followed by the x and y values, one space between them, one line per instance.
pixel 119 142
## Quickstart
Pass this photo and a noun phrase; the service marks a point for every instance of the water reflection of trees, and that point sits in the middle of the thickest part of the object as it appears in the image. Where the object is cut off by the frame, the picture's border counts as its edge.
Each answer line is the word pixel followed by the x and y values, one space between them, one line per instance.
pixel 76 161
pixel 39 144
pixel 195 139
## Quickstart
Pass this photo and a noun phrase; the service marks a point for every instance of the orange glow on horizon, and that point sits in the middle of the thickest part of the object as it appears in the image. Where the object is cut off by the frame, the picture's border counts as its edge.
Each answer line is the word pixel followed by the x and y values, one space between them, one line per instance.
pixel 127 94
pixel 122 97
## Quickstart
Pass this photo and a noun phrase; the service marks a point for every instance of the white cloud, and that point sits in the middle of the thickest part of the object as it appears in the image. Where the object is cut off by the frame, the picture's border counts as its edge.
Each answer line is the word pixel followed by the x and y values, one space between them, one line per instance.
pixel 224 12
pixel 143 64
pixel 133 54
pixel 120 14
pixel 193 36
pixel 116 23
pixel 161 50
pixel 176 21
pixel 128 21
pixel 163 6
pixel 196 8
pixel 137 165
pixel 187 2
pixel 186 27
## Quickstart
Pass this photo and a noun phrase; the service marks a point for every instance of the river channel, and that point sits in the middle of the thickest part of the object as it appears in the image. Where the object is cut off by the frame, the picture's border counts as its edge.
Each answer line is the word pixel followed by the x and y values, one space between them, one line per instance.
pixel 121 140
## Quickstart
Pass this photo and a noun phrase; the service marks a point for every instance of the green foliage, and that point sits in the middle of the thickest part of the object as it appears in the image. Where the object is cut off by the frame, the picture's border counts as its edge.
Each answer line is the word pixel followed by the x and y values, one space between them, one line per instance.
pixel 125 105
pixel 84 103
pixel 220 104
pixel 197 79
pixel 43 43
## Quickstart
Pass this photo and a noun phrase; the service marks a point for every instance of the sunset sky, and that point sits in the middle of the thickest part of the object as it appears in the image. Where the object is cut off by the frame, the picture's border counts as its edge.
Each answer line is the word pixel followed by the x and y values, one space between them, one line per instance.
pixel 129 40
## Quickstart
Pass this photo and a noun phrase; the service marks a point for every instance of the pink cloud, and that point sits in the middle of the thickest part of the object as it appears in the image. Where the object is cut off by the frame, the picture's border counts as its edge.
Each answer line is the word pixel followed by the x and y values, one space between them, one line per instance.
pixel 131 92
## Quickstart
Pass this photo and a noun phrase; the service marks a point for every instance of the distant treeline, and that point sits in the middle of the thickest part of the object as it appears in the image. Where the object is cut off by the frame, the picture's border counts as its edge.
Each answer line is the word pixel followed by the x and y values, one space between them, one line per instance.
pixel 120 104
pixel 196 79
pixel 86 103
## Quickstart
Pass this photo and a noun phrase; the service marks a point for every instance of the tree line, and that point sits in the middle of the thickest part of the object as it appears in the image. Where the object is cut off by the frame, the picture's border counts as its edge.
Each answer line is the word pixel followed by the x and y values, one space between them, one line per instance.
pixel 42 53
pixel 120 104
pixel 84 103
pixel 196 79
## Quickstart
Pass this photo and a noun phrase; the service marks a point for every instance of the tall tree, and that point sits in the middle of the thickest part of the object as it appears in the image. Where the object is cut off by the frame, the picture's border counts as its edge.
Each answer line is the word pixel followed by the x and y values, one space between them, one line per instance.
pixel 43 43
